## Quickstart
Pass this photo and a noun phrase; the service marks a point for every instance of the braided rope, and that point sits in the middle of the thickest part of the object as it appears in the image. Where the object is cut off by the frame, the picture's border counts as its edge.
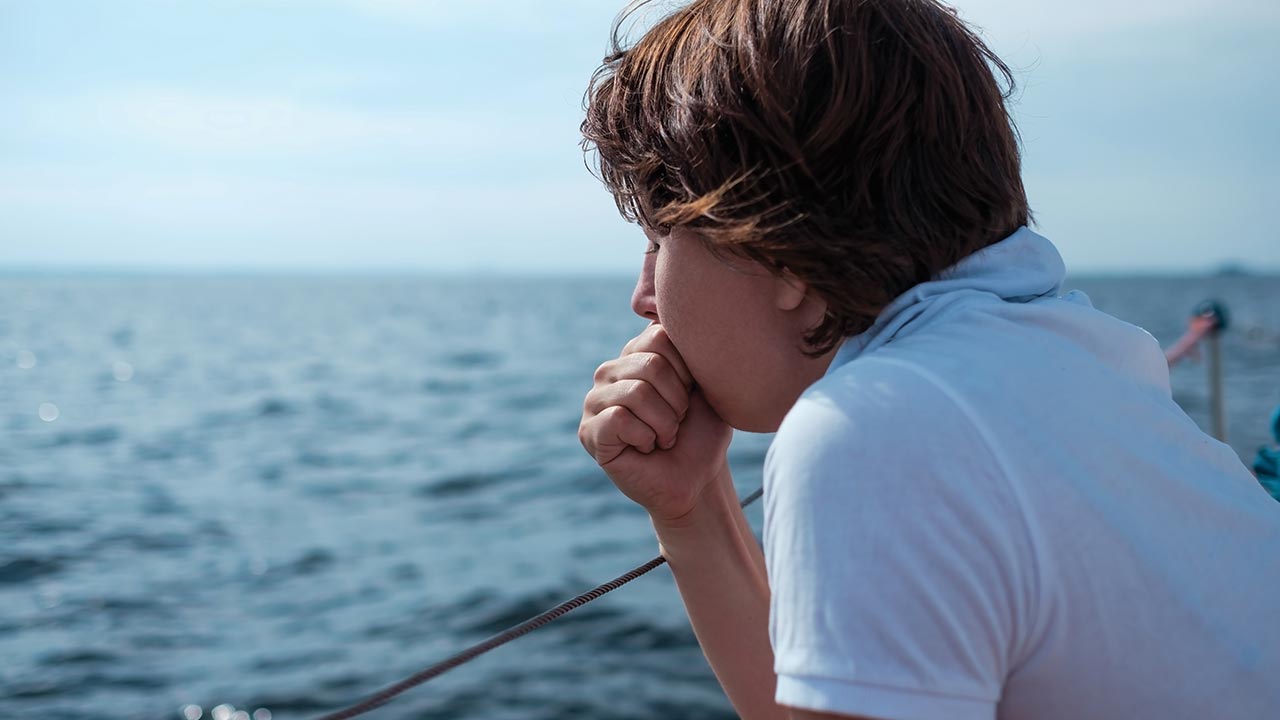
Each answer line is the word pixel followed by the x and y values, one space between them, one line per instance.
pixel 386 694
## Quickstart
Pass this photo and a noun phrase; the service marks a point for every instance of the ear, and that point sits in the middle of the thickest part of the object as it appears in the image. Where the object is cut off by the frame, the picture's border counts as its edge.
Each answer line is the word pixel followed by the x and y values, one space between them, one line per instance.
pixel 789 290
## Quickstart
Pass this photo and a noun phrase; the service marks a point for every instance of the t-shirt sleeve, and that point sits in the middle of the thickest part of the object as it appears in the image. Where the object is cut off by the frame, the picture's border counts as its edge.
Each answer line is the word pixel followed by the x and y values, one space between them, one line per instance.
pixel 898 560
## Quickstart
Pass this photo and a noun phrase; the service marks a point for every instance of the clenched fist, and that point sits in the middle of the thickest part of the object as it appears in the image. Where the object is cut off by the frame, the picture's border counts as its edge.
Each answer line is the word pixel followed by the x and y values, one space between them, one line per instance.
pixel 651 430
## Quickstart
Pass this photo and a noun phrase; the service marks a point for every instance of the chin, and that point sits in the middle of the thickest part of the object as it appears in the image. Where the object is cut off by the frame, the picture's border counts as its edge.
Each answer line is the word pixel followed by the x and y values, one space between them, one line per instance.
pixel 760 427
pixel 747 418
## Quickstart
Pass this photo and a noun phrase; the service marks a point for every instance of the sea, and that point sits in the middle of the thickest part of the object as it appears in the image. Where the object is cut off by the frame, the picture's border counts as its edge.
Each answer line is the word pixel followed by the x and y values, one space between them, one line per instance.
pixel 251 496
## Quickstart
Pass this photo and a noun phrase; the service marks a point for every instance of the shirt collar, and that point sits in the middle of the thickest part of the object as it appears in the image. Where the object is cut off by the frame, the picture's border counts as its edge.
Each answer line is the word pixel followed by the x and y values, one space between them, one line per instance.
pixel 1021 268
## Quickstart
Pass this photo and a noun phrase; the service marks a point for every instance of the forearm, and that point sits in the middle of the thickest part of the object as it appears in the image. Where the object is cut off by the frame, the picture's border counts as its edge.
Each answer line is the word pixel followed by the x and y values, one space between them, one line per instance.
pixel 720 571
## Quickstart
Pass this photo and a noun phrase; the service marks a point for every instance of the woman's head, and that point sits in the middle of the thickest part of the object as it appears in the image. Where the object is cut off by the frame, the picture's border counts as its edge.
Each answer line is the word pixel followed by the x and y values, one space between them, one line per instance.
pixel 861 145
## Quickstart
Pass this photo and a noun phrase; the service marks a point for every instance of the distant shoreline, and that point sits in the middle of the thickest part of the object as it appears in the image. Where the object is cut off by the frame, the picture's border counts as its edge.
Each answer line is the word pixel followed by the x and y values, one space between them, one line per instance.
pixel 90 272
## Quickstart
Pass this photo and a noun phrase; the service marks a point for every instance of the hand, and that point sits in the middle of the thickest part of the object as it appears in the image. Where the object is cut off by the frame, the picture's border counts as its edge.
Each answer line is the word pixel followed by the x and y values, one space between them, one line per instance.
pixel 651 430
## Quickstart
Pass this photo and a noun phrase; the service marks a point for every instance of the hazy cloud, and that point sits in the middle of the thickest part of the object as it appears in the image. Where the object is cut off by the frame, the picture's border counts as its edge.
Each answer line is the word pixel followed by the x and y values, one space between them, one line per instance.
pixel 392 133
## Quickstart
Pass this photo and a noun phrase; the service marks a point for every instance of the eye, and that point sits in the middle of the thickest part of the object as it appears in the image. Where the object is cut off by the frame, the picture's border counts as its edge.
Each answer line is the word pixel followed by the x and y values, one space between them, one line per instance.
pixel 653 248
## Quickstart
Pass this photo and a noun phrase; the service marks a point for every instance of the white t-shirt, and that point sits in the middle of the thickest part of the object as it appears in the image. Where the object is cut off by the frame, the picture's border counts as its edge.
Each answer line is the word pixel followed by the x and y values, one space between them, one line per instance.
pixel 992 507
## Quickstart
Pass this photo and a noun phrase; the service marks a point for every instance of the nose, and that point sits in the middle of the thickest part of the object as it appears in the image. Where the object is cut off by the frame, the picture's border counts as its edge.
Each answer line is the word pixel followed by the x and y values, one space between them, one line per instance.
pixel 644 301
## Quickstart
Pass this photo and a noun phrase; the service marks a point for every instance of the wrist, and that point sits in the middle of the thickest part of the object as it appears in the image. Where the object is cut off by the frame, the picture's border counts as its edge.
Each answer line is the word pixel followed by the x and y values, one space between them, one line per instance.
pixel 712 537
pixel 713 519
pixel 715 495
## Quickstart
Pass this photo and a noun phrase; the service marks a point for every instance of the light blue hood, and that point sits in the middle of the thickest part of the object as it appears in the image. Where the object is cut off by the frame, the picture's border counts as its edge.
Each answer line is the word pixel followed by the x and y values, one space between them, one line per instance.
pixel 1023 267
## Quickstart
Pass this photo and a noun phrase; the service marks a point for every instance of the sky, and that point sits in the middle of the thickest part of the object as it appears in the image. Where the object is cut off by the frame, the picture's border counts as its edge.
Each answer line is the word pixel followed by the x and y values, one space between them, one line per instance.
pixel 442 137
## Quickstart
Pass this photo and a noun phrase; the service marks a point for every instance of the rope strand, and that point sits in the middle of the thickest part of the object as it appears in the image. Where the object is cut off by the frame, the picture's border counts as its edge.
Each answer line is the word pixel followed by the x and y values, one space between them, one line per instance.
pixel 386 694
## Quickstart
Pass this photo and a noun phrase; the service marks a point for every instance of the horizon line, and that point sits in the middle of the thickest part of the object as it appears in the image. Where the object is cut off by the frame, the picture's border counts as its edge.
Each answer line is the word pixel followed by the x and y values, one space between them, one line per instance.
pixel 1228 268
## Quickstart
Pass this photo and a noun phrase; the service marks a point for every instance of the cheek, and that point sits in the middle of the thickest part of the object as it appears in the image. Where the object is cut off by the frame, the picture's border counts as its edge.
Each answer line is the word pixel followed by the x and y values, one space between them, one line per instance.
pixel 667 293
pixel 697 309
pixel 680 307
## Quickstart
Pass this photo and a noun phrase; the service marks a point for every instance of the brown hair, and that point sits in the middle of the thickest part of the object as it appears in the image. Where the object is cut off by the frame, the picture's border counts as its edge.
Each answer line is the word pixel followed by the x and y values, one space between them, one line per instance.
pixel 864 145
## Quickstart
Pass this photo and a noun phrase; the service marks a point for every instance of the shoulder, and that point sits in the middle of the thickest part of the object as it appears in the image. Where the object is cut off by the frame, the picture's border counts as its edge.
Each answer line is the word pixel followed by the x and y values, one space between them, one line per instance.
pixel 895 551
pixel 874 411
pixel 890 447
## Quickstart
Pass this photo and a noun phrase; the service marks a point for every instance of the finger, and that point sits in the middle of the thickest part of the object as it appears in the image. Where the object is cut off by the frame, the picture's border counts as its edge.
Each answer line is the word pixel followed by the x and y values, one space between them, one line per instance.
pixel 644 402
pixel 611 432
pixel 651 368
pixel 654 339
pixel 644 338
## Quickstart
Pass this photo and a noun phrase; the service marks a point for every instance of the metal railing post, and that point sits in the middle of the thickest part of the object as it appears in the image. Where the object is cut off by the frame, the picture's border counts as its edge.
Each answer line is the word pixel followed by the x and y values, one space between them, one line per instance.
pixel 1217 401
pixel 1216 313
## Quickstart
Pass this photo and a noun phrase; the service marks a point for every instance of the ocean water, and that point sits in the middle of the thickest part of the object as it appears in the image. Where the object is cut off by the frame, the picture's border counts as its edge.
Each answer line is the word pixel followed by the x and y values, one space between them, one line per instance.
pixel 283 493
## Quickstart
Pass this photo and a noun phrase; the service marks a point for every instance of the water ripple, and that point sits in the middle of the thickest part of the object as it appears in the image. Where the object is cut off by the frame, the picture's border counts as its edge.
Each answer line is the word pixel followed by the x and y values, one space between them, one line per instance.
pixel 28 567
pixel 298 496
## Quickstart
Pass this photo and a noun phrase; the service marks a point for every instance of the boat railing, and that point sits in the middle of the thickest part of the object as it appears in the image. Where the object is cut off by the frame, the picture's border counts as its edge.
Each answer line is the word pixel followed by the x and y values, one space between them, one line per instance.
pixel 1208 321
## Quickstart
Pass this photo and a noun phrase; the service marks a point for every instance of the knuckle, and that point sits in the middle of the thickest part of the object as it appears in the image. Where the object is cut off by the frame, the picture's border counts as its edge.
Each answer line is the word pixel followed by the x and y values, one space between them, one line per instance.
pixel 612 414
pixel 650 441
pixel 603 371
pixel 645 393
pixel 650 363
pixel 591 403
